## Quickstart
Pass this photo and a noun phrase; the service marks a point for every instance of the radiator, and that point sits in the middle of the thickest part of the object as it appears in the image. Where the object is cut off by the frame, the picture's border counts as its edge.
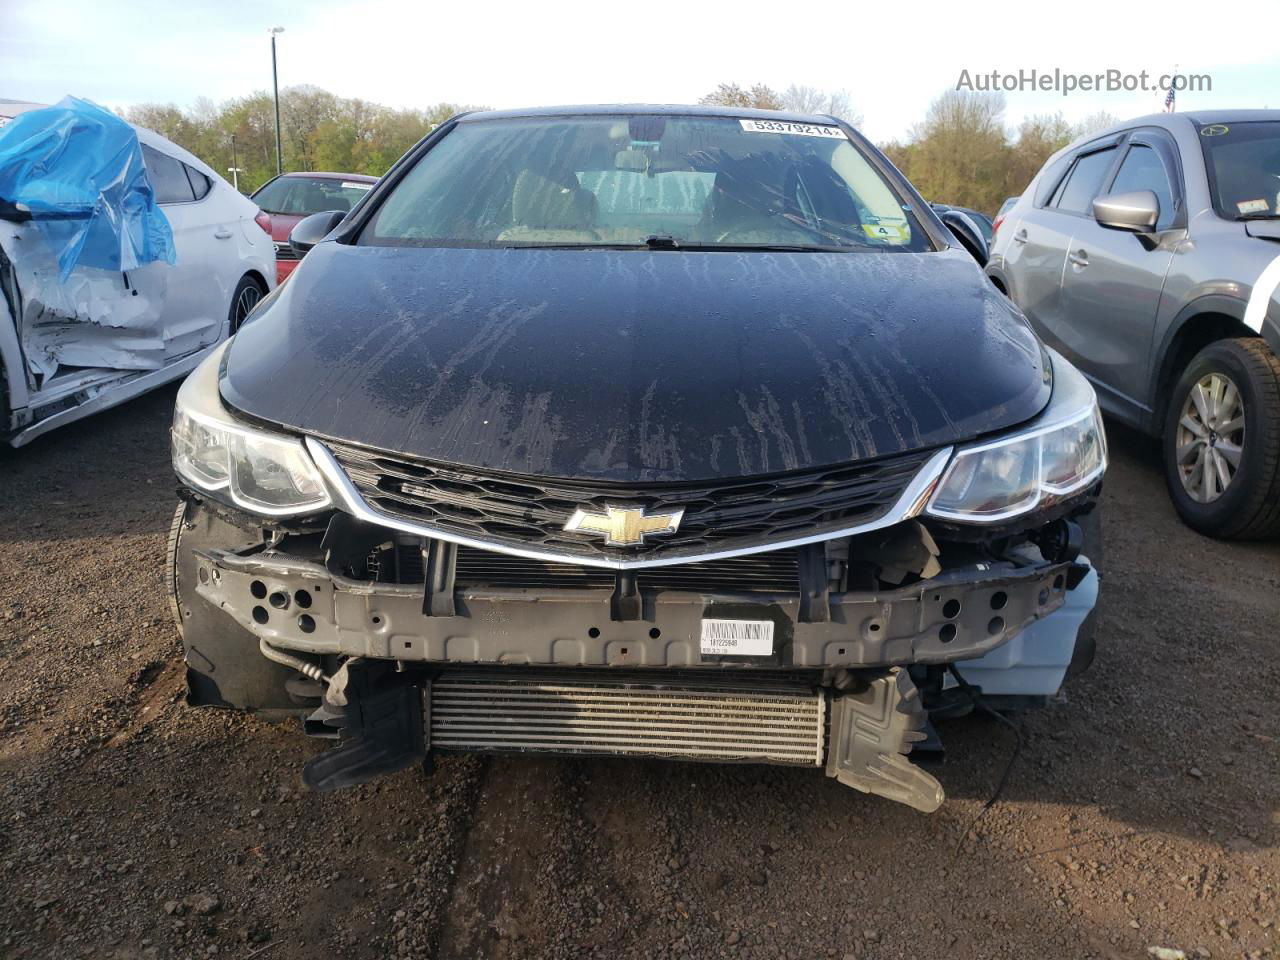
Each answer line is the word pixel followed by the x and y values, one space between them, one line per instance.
pixel 765 721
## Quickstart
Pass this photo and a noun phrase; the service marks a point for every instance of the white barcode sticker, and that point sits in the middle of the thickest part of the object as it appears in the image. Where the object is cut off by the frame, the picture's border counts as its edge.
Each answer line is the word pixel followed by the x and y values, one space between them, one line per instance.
pixel 794 129
pixel 739 638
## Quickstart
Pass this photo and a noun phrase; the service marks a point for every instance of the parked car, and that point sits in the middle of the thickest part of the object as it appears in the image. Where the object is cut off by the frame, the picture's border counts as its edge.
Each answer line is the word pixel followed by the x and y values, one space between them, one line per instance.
pixel 290 197
pixel 980 220
pixel 638 431
pixel 76 341
pixel 1000 214
pixel 1149 255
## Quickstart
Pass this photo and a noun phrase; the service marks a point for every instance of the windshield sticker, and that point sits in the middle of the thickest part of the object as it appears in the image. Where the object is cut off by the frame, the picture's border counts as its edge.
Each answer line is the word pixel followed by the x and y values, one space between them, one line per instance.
pixel 351 185
pixel 1253 206
pixel 1213 130
pixel 887 232
pixel 794 129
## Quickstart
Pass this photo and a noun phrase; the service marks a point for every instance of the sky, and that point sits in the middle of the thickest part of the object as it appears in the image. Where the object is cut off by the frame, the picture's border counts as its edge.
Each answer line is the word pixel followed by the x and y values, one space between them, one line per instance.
pixel 892 58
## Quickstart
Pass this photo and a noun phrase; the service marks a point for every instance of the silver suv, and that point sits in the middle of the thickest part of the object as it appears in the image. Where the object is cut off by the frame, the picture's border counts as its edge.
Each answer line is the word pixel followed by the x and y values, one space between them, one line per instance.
pixel 1149 255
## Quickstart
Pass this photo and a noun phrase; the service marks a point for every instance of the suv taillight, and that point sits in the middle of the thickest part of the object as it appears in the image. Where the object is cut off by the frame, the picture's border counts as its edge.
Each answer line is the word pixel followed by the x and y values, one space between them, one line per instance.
pixel 263 219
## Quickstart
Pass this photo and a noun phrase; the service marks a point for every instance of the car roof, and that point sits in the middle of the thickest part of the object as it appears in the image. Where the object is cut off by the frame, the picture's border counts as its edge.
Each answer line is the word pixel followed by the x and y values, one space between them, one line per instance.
pixel 655 109
pixel 1170 121
pixel 329 175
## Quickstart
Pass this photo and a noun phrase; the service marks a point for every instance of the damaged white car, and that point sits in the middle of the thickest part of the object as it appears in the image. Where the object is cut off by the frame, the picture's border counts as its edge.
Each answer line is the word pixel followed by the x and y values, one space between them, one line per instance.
pixel 123 260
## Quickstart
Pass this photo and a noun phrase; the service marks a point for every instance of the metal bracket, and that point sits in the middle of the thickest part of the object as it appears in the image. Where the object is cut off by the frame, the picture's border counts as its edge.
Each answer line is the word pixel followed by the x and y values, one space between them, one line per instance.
pixel 815 599
pixel 439 560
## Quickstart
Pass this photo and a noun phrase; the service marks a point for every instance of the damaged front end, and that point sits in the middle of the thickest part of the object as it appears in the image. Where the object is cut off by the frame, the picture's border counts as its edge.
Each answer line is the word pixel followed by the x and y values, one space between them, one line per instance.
pixel 402 644
pixel 815 618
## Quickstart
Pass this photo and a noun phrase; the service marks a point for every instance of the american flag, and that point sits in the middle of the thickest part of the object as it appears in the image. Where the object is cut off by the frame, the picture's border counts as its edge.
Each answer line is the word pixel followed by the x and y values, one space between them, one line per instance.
pixel 1170 96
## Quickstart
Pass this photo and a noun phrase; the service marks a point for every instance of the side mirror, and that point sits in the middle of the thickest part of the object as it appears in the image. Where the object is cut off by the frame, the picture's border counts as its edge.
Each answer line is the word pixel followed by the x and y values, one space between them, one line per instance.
pixel 311 230
pixel 1135 212
pixel 967 232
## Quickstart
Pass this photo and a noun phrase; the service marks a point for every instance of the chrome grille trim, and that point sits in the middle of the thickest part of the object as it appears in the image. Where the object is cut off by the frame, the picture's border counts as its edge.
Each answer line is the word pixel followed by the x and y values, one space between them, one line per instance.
pixel 766 722
pixel 909 504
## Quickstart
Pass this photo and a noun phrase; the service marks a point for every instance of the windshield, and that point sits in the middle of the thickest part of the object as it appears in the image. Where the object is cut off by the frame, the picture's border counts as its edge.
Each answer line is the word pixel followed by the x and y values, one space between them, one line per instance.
pixel 662 182
pixel 307 195
pixel 1243 161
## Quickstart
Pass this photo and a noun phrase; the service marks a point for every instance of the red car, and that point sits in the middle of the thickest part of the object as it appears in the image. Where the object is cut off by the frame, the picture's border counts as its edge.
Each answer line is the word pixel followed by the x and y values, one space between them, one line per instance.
pixel 291 196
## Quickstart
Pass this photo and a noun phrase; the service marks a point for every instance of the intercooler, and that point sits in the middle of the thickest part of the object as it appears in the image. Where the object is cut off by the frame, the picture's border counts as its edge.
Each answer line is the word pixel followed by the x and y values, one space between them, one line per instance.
pixel 766 721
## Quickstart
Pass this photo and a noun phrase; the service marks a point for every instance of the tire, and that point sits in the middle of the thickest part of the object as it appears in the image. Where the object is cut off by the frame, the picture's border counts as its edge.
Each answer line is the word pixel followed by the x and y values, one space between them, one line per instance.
pixel 247 294
pixel 1247 505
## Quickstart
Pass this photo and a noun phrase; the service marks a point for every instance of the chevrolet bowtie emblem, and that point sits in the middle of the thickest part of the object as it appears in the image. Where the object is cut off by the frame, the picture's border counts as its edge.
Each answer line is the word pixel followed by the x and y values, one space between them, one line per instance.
pixel 624 526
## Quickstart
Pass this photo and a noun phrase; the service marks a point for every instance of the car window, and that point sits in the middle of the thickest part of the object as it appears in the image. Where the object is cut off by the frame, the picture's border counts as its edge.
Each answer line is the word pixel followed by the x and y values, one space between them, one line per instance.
pixel 1050 178
pixel 200 184
pixel 1243 162
pixel 1083 182
pixel 168 177
pixel 619 180
pixel 1142 169
pixel 303 196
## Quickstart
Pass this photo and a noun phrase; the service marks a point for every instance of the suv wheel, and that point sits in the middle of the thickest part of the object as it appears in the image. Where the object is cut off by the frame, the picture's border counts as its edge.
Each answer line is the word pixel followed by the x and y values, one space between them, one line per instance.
pixel 1222 441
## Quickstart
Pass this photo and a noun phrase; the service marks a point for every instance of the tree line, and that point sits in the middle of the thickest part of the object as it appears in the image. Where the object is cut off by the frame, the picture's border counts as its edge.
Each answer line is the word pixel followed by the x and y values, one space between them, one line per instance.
pixel 318 131
pixel 961 153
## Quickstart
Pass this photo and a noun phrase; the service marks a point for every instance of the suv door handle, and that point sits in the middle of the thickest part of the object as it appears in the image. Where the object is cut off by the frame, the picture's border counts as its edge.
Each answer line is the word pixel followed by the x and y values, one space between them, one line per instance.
pixel 222 233
pixel 1080 258
pixel 1020 236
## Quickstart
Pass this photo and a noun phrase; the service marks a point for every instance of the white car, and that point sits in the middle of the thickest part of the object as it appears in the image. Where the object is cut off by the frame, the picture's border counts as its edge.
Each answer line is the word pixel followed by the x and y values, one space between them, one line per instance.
pixel 71 347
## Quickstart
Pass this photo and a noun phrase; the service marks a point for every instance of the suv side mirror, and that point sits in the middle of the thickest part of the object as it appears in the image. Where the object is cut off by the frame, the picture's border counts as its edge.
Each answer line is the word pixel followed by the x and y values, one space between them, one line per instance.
pixel 967 232
pixel 311 230
pixel 1134 212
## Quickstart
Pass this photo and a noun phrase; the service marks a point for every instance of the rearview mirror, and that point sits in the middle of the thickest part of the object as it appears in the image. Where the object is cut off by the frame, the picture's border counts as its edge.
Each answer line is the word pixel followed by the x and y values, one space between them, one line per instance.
pixel 1135 212
pixel 967 232
pixel 311 230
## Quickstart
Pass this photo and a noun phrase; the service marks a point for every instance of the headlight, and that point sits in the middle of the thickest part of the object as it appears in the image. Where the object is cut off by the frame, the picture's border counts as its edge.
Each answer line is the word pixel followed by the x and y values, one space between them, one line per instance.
pixel 263 472
pixel 1060 455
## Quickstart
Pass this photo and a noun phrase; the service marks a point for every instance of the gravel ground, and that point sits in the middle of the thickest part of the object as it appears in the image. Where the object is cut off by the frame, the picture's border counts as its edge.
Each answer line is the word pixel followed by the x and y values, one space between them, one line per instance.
pixel 1145 810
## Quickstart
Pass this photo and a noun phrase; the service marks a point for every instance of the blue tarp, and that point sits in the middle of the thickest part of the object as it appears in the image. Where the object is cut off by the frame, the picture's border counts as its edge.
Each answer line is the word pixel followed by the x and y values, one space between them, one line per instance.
pixel 78 171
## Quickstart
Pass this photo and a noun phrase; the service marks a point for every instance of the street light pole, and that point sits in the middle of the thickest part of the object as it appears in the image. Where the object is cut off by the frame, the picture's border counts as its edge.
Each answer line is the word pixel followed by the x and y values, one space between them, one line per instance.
pixel 235 166
pixel 275 89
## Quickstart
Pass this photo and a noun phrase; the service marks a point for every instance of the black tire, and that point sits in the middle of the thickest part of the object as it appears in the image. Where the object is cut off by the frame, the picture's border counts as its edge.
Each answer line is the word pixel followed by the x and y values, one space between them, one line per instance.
pixel 1248 508
pixel 247 294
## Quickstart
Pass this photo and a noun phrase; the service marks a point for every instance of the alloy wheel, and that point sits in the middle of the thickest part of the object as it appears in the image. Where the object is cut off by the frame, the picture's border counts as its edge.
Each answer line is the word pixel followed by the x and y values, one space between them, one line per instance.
pixel 245 303
pixel 1210 439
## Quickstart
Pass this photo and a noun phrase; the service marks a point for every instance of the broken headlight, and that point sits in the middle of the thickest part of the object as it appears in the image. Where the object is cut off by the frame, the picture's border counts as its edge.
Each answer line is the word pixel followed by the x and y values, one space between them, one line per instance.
pixel 1060 454
pixel 257 470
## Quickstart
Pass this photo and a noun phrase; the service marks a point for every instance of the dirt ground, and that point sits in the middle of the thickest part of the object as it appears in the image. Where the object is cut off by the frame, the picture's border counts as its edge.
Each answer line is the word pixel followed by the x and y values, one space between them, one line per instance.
pixel 1144 812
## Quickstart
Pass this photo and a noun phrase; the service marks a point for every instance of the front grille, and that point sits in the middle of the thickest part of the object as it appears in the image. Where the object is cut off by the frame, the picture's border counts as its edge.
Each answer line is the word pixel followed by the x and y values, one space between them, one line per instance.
pixel 531 511
pixel 768 721
pixel 777 571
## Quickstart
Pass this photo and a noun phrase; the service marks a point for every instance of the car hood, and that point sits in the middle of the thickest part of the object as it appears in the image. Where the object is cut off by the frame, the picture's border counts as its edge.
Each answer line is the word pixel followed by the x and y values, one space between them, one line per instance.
pixel 637 366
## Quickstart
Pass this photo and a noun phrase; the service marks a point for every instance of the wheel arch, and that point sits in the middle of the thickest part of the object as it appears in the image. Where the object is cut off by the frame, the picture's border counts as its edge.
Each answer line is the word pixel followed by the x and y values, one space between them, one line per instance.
pixel 1202 322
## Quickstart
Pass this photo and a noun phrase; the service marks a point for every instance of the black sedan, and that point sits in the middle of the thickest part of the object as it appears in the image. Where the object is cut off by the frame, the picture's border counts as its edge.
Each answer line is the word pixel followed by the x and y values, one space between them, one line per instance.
pixel 679 432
